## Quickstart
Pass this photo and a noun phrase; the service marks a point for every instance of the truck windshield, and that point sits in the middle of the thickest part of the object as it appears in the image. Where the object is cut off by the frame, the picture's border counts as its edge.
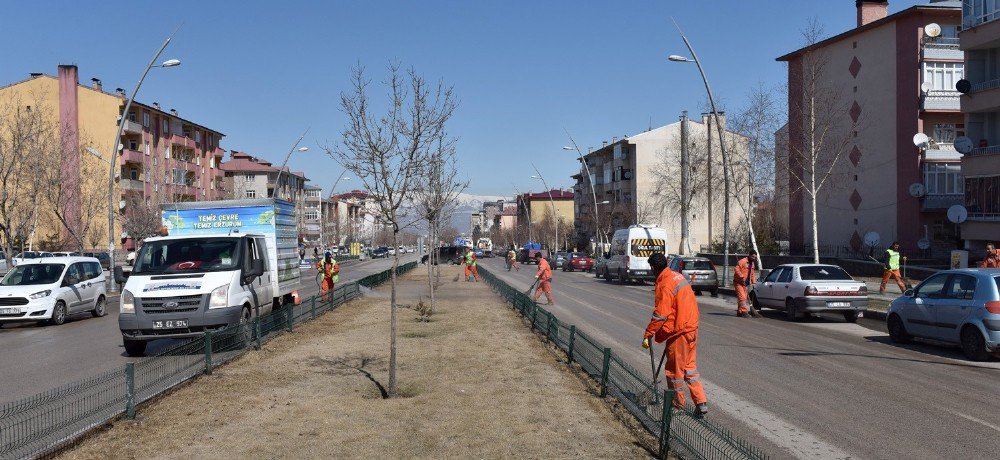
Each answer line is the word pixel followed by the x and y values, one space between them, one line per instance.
pixel 187 255
pixel 27 275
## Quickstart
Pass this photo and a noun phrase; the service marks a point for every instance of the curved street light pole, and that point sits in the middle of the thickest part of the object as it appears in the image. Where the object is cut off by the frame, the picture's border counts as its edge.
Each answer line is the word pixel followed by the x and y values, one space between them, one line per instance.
pixel 722 148
pixel 322 207
pixel 586 168
pixel 555 217
pixel 277 178
pixel 527 211
pixel 114 151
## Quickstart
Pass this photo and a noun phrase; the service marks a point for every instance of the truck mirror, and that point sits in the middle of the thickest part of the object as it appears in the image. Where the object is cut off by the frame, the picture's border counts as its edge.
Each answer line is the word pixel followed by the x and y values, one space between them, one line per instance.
pixel 257 268
pixel 119 275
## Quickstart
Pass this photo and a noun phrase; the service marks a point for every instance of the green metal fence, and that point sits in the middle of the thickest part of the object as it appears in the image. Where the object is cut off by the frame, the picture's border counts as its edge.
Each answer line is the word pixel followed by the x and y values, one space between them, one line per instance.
pixel 46 422
pixel 682 433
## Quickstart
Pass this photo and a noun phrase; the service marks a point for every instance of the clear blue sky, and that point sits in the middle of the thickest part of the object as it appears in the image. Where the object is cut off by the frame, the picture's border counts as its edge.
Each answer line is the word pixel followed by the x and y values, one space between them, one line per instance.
pixel 261 72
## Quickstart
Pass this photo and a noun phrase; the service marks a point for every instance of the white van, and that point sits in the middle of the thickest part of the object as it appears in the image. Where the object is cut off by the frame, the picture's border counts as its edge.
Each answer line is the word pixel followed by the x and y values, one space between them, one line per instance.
pixel 631 247
pixel 51 289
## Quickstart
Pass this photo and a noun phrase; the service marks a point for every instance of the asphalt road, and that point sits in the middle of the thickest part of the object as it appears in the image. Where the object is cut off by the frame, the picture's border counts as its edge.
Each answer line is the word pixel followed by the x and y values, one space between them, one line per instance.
pixel 822 388
pixel 36 358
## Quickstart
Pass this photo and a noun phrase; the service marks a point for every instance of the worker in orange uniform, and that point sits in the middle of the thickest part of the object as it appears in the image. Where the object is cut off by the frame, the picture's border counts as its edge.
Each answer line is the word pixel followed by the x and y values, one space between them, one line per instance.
pixel 330 270
pixel 744 276
pixel 992 259
pixel 675 321
pixel 544 277
pixel 890 262
pixel 470 266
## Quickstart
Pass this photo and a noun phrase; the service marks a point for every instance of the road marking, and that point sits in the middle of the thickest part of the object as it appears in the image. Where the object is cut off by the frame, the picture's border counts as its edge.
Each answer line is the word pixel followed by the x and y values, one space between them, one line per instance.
pixel 973 419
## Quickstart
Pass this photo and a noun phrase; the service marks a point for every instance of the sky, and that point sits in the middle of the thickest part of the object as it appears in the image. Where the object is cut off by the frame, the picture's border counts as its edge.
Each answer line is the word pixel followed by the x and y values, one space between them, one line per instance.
pixel 524 72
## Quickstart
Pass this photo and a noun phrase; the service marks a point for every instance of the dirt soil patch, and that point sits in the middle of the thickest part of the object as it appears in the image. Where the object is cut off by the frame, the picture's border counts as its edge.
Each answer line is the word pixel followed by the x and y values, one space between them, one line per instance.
pixel 475 382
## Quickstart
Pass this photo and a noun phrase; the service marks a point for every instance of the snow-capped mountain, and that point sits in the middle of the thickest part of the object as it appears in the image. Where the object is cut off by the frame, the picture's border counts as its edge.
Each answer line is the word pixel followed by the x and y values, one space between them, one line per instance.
pixel 467 204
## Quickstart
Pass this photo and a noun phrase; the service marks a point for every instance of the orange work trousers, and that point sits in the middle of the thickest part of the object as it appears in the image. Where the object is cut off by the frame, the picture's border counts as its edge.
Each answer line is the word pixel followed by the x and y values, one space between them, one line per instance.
pixel 682 368
pixel 894 274
pixel 742 298
pixel 475 272
pixel 546 287
pixel 327 288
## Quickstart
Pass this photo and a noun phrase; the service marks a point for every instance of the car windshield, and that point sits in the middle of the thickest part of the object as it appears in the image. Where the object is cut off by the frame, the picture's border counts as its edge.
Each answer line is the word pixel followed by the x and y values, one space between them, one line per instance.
pixel 27 255
pixel 824 273
pixel 187 255
pixel 697 264
pixel 579 254
pixel 27 275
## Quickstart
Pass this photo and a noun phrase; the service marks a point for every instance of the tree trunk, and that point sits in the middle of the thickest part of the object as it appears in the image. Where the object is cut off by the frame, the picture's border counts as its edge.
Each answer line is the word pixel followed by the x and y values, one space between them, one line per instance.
pixel 392 318
pixel 430 269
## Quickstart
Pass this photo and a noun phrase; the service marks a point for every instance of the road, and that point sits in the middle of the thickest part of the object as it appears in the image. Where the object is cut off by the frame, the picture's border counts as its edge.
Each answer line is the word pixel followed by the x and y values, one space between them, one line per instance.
pixel 822 388
pixel 36 358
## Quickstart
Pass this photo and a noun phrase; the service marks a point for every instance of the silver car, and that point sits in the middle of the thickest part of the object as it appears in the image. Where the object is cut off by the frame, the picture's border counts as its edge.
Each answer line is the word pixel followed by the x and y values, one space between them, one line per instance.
pixel 954 306
pixel 800 289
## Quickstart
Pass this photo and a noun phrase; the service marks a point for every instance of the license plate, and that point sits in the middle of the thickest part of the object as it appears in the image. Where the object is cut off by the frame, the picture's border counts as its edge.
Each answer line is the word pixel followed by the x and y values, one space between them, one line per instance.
pixel 170 324
pixel 638 272
pixel 838 304
pixel 9 311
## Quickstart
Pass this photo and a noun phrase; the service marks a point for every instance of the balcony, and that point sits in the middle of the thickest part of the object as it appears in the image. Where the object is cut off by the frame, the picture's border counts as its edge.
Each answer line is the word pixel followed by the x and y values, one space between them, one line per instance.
pixel 132 184
pixel 942 48
pixel 182 141
pixel 991 150
pixel 941 100
pixel 132 156
pixel 132 127
pixel 941 202
pixel 984 216
pixel 984 96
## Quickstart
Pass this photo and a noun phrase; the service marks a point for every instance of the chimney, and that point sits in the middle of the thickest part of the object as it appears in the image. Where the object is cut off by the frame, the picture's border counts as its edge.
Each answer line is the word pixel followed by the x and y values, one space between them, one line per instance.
pixel 707 119
pixel 120 92
pixel 173 112
pixel 871 10
pixel 156 105
pixel 96 84
pixel 614 139
pixel 35 75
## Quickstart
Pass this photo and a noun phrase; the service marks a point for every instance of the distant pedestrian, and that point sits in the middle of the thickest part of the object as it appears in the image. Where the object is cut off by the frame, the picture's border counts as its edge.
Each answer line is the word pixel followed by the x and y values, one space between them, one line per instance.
pixel 992 259
pixel 512 260
pixel 890 264
pixel 315 253
pixel 302 254
pixel 544 277
pixel 675 321
pixel 744 276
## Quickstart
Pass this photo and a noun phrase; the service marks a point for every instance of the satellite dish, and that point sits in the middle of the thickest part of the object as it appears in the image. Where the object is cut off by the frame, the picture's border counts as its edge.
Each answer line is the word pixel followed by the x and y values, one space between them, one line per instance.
pixel 963 86
pixel 932 30
pixel 957 214
pixel 872 238
pixel 121 204
pixel 924 243
pixel 921 140
pixel 963 144
pixel 917 190
pixel 925 86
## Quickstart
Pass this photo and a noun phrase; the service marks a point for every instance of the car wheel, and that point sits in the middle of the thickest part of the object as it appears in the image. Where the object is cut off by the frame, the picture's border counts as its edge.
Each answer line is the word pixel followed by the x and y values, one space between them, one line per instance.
pixel 851 316
pixel 790 311
pixel 715 293
pixel 135 347
pixel 607 275
pixel 973 344
pixel 621 278
pixel 100 308
pixel 897 331
pixel 58 314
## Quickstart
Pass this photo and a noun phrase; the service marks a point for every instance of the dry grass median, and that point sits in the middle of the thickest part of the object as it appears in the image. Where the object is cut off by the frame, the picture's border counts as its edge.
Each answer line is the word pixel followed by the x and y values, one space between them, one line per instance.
pixel 475 383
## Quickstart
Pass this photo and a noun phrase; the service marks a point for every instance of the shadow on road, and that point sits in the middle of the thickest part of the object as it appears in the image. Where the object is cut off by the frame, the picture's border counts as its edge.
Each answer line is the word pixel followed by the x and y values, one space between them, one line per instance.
pixel 881 339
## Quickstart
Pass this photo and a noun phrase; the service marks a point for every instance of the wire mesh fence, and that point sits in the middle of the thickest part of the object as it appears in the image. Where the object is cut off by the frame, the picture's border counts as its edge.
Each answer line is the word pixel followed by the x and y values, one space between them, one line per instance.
pixel 44 423
pixel 676 431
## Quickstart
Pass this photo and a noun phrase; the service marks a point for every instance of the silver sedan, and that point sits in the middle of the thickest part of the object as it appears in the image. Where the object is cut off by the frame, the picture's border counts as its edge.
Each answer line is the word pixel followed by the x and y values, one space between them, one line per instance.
pixel 800 289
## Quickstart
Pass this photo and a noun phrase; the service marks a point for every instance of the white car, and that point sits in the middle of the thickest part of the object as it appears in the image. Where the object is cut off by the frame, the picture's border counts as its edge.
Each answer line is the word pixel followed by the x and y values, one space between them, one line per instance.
pixel 52 288
pixel 29 255
pixel 801 289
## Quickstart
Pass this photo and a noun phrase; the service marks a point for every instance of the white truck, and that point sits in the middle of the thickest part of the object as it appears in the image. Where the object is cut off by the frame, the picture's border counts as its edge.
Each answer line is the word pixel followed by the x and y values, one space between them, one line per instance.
pixel 486 245
pixel 218 263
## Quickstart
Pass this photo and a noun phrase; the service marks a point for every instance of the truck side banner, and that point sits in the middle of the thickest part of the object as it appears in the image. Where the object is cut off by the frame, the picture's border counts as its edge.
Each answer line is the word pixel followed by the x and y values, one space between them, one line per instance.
pixel 252 219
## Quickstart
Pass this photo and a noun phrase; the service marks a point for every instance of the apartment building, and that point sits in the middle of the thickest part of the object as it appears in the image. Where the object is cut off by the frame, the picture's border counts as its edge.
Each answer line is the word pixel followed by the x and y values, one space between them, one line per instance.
pixel 623 174
pixel 535 209
pixel 980 39
pixel 894 80
pixel 247 176
pixel 361 214
pixel 311 219
pixel 163 157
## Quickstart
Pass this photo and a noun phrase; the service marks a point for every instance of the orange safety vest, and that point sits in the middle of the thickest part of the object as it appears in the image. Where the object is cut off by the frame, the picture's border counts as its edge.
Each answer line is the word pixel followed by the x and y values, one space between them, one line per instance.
pixel 330 270
pixel 676 309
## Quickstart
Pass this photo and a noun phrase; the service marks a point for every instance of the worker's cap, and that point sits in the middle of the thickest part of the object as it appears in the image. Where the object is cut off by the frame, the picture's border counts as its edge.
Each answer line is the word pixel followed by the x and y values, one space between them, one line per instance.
pixel 328 254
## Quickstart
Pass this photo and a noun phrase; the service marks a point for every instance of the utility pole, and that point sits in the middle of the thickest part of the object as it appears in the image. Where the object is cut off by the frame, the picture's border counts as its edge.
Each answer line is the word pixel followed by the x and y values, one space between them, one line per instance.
pixel 685 187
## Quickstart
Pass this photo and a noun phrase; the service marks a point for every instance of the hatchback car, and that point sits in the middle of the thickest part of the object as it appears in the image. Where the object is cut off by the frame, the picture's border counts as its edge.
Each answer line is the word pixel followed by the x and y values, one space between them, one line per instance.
pixel 699 270
pixel 578 261
pixel 51 289
pixel 380 252
pixel 800 289
pixel 954 306
pixel 558 259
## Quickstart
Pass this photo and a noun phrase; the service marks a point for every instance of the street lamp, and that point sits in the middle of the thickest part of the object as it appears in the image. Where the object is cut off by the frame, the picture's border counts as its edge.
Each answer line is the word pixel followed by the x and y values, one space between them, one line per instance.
pixel 586 168
pixel 322 208
pixel 722 148
pixel 295 148
pixel 116 147
pixel 555 217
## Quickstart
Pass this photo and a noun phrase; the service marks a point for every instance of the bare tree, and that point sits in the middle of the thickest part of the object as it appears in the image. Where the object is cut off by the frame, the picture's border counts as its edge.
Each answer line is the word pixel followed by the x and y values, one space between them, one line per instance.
pixel 668 195
pixel 387 152
pixel 25 134
pixel 826 133
pixel 90 194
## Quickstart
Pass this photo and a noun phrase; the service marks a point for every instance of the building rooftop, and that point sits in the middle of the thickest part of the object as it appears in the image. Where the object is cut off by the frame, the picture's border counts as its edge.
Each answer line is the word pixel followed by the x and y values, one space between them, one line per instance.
pixel 555 194
pixel 244 162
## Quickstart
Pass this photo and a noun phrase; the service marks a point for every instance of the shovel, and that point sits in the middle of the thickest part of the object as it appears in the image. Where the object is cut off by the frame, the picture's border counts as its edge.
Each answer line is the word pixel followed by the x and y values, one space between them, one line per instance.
pixel 656 373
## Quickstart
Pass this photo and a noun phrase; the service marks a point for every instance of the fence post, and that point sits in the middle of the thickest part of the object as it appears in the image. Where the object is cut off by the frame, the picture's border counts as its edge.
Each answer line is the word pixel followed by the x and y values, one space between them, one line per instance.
pixel 291 312
pixel 534 314
pixel 572 340
pixel 130 390
pixel 256 330
pixel 312 305
pixel 553 329
pixel 665 424
pixel 604 372
pixel 208 352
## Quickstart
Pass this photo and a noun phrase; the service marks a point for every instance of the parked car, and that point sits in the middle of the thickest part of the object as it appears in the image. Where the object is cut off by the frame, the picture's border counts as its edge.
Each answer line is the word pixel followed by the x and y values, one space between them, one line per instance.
pixel 557 259
pixel 630 250
pixel 528 256
pixel 601 266
pixel 380 252
pixel 800 289
pixel 29 255
pixel 52 288
pixel 66 254
pixel 578 261
pixel 103 257
pixel 479 253
pixel 699 271
pixel 449 254
pixel 954 306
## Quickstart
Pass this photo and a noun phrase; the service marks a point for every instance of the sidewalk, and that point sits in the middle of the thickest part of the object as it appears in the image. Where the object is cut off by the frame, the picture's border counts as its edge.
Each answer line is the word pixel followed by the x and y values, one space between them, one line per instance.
pixel 474 382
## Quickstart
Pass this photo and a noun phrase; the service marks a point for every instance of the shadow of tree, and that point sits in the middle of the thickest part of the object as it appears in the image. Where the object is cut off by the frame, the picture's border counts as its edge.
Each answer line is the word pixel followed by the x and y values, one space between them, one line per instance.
pixel 353 364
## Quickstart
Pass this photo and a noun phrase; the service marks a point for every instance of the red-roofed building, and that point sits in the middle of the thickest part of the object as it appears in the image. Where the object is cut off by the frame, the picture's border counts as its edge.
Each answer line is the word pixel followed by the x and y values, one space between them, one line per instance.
pixel 248 176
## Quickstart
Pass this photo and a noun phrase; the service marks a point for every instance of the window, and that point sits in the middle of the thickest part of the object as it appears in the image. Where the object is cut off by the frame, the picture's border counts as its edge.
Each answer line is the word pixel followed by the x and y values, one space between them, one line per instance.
pixel 133 145
pixel 148 201
pixel 211 140
pixel 251 194
pixel 312 215
pixel 154 160
pixel 145 119
pixel 178 176
pixel 824 272
pixel 92 270
pixel 166 127
pixel 961 287
pixel 933 288
pixel 943 75
pixel 943 178
pixel 982 194
pixel 944 133
pixel 785 276
pixel 618 152
pixel 134 174
pixel 248 177
pixel 131 117
pixel 166 152
pixel 197 136
pixel 146 149
pixel 773 276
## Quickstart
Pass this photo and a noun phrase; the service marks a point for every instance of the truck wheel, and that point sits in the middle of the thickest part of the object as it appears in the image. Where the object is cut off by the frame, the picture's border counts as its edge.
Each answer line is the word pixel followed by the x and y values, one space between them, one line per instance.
pixel 246 328
pixel 135 348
